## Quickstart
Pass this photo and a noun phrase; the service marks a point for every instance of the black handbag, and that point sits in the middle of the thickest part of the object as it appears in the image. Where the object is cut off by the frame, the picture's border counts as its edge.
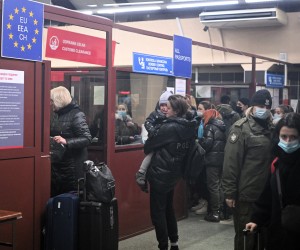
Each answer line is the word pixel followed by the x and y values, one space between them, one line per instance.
pixel 99 182
pixel 57 151
pixel 290 214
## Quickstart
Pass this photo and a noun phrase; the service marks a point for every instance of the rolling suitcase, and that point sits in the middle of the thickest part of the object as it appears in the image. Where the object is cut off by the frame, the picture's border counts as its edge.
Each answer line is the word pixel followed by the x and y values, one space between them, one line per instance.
pixel 259 245
pixel 90 226
pixel 110 225
pixel 61 222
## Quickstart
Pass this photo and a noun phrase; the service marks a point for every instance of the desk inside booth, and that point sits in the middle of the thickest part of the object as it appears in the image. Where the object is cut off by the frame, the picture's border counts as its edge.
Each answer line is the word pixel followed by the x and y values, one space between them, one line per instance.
pixel 10 217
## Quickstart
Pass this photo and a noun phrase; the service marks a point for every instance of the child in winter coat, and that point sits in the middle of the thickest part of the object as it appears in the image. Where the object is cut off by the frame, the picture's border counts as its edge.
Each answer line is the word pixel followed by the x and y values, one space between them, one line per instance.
pixel 152 125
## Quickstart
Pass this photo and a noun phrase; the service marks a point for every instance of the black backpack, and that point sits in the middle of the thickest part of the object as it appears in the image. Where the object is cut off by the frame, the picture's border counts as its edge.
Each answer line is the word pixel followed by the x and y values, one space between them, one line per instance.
pixel 194 162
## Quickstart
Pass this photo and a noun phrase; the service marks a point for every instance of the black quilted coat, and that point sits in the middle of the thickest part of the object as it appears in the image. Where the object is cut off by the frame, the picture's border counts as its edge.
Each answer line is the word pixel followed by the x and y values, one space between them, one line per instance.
pixel 213 142
pixel 69 122
pixel 170 146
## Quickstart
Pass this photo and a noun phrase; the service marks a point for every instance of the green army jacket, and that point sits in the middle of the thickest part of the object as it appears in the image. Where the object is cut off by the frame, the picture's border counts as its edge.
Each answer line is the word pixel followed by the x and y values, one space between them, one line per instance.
pixel 247 160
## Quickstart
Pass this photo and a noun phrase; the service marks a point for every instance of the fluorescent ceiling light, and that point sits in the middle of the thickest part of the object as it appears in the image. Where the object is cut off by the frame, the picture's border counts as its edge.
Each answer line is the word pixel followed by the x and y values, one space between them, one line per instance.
pixel 125 4
pixel 92 5
pixel 180 1
pixel 202 4
pixel 128 9
pixel 87 12
pixel 260 1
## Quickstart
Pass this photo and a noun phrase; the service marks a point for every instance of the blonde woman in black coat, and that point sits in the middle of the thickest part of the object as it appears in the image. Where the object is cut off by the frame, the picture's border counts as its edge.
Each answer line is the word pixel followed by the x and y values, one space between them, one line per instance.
pixel 69 128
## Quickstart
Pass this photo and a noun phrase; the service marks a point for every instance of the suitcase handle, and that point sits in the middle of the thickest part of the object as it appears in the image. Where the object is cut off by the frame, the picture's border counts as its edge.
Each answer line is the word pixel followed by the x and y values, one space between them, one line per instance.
pixel 81 183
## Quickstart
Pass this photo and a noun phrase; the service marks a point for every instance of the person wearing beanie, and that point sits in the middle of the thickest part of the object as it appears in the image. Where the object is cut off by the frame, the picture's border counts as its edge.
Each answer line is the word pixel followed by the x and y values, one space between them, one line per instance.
pixel 247 159
pixel 242 105
pixel 262 98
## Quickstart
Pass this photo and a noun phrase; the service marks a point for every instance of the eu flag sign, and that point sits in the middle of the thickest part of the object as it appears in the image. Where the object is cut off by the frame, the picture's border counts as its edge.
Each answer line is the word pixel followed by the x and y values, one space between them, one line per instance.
pixel 22 29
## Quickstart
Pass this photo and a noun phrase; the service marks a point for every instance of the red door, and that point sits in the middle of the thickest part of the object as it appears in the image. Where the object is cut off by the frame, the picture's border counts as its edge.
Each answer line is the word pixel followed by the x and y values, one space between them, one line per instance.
pixel 25 170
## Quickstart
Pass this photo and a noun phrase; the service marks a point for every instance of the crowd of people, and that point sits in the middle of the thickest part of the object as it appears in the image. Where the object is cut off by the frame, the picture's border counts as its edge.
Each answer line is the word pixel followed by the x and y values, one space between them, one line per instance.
pixel 240 142
pixel 251 168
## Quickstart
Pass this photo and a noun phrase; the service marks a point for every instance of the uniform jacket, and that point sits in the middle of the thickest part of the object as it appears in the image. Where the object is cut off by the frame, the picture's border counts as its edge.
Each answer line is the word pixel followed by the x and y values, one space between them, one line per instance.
pixel 170 146
pixel 69 122
pixel 267 210
pixel 229 115
pixel 213 142
pixel 247 160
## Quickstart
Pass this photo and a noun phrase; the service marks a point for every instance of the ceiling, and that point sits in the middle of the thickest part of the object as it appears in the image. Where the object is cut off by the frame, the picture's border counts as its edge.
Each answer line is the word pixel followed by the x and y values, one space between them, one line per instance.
pixel 164 11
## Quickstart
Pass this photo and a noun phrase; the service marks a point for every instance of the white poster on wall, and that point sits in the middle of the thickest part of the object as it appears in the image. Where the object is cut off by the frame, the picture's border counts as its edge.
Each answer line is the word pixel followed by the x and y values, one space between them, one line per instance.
pixel 180 86
pixel 203 91
pixel 99 93
pixel 294 104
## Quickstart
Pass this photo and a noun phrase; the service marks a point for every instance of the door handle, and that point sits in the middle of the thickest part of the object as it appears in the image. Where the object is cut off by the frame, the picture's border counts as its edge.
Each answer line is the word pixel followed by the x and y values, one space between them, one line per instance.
pixel 45 156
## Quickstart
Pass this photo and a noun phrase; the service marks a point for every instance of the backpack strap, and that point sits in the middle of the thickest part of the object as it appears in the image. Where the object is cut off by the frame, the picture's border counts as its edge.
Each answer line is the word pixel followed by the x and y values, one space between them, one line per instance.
pixel 278 182
pixel 273 165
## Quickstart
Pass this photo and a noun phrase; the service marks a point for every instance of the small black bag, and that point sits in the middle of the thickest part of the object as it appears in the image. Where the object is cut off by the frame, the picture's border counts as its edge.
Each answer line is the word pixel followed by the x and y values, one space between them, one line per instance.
pixel 290 218
pixel 194 163
pixel 57 151
pixel 99 181
pixel 290 214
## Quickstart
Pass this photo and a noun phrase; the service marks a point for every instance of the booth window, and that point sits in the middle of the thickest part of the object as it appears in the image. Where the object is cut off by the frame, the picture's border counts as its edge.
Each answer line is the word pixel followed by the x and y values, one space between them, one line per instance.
pixel 139 93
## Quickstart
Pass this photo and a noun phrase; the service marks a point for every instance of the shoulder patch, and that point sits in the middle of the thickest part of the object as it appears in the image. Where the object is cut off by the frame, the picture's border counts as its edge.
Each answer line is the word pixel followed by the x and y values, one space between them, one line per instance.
pixel 240 122
pixel 233 137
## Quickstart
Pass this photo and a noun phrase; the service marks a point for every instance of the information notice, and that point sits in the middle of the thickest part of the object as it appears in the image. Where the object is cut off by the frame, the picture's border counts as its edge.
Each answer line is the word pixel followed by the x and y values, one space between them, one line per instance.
pixel 11 108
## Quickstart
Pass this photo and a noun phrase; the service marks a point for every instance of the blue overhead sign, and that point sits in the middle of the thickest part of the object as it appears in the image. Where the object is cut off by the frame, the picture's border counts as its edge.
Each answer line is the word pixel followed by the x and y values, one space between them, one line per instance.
pixel 152 64
pixel 22 30
pixel 275 81
pixel 182 56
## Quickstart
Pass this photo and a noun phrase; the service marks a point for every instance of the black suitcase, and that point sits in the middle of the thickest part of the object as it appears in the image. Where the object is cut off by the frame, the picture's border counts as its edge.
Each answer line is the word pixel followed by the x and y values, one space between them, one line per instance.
pixel 90 226
pixel 98 222
pixel 258 236
pixel 61 222
pixel 110 225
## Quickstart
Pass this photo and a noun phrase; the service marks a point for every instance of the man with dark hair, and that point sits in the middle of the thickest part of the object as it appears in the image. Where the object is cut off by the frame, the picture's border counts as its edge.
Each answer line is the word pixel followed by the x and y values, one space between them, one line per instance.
pixel 228 114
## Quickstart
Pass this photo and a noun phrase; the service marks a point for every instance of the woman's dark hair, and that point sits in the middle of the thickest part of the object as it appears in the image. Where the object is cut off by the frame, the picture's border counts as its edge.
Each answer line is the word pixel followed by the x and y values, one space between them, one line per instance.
pixel 179 104
pixel 290 120
pixel 283 108
pixel 207 105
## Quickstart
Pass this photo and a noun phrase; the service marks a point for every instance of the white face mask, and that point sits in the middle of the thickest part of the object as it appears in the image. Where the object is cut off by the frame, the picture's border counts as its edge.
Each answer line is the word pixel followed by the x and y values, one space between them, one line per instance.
pixel 199 113
pixel 261 113
pixel 277 116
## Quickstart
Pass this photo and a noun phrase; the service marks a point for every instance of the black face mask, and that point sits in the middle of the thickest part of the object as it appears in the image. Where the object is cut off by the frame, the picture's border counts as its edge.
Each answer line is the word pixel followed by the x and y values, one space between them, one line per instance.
pixel 239 109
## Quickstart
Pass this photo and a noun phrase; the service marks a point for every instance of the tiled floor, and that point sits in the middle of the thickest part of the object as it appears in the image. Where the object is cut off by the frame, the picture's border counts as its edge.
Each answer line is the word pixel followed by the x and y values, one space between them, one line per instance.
pixel 194 234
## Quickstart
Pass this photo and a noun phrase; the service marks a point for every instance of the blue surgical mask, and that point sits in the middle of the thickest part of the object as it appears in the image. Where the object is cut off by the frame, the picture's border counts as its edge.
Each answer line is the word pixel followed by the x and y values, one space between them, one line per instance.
pixel 277 116
pixel 122 113
pixel 261 113
pixel 289 147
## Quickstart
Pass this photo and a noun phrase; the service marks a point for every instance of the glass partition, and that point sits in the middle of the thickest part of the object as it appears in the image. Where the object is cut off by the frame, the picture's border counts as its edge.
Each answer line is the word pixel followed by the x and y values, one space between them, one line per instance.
pixel 138 95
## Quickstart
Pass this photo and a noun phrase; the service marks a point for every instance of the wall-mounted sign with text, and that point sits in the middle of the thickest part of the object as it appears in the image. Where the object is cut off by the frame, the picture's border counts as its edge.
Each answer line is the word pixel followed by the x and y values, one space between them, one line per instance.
pixel 151 64
pixel 72 46
pixel 11 108
pixel 182 56
pixel 274 81
pixel 22 30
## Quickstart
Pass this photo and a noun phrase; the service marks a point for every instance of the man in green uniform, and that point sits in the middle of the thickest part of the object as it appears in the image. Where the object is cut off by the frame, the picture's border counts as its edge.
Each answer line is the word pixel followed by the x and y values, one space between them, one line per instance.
pixel 246 162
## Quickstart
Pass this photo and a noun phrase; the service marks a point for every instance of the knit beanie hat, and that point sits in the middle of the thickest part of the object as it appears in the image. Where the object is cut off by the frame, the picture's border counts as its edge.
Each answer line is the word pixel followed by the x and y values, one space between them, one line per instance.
pixel 262 97
pixel 244 101
pixel 163 99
